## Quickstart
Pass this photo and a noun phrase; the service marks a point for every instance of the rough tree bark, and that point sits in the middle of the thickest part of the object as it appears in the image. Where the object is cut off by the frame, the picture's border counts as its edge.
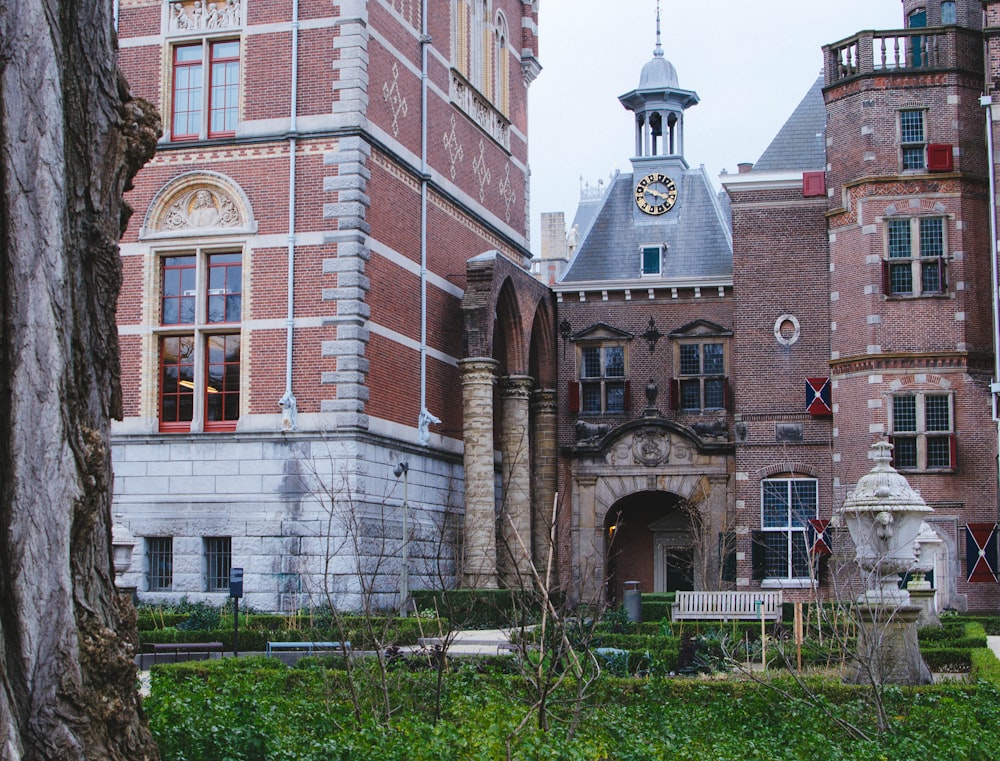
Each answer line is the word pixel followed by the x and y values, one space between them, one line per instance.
pixel 71 139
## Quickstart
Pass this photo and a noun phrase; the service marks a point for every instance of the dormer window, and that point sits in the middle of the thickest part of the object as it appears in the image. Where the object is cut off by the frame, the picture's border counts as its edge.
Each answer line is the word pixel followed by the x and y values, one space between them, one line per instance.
pixel 652 261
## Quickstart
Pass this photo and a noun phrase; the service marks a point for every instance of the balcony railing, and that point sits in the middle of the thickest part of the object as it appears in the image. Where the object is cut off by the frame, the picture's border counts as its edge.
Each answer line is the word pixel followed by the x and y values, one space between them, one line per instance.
pixel 903 51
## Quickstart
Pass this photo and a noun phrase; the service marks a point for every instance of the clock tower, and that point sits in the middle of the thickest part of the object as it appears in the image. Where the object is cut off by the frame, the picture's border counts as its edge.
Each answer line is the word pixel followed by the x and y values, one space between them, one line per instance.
pixel 658 104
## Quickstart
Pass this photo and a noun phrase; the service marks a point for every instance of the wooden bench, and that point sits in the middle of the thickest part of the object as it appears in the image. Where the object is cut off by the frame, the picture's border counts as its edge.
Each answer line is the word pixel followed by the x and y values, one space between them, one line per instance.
pixel 177 648
pixel 308 647
pixel 726 606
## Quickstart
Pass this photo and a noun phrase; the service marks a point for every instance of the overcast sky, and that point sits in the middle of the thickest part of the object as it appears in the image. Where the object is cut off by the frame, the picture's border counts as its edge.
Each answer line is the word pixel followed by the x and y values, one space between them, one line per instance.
pixel 750 63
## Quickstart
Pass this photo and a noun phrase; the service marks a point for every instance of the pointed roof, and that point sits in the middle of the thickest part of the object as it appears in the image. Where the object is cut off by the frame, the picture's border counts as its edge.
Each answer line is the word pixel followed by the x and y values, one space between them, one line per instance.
pixel 658 74
pixel 800 144
pixel 697 238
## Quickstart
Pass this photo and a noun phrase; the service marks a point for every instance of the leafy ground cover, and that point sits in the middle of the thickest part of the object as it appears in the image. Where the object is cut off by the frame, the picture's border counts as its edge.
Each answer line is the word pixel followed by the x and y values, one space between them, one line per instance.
pixel 255 709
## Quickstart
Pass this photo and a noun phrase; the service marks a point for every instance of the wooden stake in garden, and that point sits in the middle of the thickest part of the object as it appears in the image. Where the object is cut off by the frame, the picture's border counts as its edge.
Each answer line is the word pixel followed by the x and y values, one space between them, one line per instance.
pixel 797 618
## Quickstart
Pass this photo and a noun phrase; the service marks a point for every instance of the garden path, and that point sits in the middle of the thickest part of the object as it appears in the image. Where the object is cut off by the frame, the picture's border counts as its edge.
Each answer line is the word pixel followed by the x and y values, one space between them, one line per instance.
pixel 994 644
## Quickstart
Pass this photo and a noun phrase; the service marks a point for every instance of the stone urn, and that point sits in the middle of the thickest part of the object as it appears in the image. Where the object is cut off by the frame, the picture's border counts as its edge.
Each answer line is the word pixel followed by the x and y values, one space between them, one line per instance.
pixel 884 515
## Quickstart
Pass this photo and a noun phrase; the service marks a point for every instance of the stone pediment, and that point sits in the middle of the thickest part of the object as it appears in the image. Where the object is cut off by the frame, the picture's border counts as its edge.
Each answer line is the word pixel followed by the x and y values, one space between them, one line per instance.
pixel 701 328
pixel 601 331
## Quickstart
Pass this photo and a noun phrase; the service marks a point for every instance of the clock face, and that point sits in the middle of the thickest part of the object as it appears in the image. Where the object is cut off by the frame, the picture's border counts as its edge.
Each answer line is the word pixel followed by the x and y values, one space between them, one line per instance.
pixel 655 194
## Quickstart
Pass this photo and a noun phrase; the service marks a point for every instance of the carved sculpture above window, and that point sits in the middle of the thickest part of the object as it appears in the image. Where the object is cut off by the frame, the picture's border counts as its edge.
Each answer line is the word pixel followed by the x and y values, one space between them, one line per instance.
pixel 199 16
pixel 198 203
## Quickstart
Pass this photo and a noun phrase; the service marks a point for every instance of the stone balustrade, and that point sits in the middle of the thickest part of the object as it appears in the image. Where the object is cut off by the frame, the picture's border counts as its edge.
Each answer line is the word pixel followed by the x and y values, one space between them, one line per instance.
pixel 902 51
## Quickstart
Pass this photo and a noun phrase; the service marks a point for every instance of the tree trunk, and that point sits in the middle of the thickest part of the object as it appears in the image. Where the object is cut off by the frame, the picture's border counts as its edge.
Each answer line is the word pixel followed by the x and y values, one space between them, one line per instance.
pixel 71 139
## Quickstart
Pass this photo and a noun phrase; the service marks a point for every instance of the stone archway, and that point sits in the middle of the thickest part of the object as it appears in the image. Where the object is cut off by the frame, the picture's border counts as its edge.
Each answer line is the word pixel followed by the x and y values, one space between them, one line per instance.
pixel 649 456
pixel 508 399
pixel 649 538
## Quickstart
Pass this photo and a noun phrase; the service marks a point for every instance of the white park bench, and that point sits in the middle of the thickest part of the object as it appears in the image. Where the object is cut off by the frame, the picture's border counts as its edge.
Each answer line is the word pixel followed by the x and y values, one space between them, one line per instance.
pixel 726 606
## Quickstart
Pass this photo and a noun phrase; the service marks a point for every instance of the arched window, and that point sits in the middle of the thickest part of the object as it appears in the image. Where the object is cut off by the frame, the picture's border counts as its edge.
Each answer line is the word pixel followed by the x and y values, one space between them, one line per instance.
pixel 948 13
pixel 501 75
pixel 478 37
pixel 460 19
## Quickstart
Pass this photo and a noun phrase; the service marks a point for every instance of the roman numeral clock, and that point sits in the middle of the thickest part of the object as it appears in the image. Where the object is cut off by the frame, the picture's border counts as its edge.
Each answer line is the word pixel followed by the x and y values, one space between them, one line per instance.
pixel 655 194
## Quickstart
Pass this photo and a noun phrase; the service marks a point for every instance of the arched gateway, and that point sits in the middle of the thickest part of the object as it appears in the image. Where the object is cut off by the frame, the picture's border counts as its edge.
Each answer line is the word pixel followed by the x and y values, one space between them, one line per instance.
pixel 651 502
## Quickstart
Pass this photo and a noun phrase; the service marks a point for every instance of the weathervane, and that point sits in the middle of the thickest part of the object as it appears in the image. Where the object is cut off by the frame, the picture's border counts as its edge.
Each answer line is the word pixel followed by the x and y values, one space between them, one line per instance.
pixel 658 52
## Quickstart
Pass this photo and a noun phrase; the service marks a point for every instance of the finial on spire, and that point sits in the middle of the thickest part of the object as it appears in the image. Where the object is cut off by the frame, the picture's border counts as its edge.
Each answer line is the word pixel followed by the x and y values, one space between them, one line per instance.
pixel 658 51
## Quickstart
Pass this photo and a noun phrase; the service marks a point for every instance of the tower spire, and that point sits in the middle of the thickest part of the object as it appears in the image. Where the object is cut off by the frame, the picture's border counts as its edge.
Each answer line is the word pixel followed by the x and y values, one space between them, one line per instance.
pixel 658 50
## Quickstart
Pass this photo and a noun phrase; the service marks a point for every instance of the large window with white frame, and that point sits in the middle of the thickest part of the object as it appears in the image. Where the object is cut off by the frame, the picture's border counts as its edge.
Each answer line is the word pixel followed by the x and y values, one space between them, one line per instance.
pixel 781 546
pixel 916 257
pixel 923 432
pixel 199 340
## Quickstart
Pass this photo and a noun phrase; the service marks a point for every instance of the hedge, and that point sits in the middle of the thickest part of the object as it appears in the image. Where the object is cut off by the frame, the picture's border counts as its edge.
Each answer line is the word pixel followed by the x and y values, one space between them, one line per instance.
pixel 151 621
pixel 985 666
pixel 480 608
pixel 354 629
pixel 956 660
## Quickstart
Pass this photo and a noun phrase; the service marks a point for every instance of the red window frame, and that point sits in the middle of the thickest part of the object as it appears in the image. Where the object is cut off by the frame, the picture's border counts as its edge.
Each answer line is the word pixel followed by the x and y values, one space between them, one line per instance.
pixel 210 109
pixel 178 272
pixel 180 388
pixel 194 94
pixel 222 382
pixel 225 288
pixel 224 88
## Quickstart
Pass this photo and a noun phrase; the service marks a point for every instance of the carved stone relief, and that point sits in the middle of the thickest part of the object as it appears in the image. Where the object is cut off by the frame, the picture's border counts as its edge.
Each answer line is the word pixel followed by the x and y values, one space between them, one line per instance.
pixel 197 16
pixel 649 448
pixel 202 208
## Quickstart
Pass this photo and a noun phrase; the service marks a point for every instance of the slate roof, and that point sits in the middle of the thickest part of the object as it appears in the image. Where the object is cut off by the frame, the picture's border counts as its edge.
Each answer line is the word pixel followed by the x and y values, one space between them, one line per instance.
pixel 800 144
pixel 699 246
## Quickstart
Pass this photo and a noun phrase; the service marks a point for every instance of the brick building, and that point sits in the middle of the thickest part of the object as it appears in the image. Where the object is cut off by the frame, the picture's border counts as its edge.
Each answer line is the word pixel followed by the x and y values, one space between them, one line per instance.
pixel 837 295
pixel 340 375
pixel 291 318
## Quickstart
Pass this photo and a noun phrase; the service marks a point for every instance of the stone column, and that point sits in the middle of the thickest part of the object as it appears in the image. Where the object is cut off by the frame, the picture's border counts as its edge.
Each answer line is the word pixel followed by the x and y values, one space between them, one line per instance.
pixel 544 472
pixel 515 506
pixel 589 568
pixel 479 570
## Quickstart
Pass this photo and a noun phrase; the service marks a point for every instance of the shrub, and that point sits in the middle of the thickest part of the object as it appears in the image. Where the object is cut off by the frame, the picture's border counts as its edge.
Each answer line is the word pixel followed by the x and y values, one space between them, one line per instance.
pixel 955 660
pixel 480 608
pixel 656 607
pixel 985 666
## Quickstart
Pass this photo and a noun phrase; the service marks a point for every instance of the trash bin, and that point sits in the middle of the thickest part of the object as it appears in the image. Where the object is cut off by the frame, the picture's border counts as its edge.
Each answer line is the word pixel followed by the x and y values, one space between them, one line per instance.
pixel 633 601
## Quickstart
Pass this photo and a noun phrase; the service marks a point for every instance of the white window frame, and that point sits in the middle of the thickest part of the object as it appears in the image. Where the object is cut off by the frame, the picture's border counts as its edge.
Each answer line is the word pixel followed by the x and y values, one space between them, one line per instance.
pixel 916 260
pixel 910 146
pixel 649 249
pixel 921 433
pixel 796 536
